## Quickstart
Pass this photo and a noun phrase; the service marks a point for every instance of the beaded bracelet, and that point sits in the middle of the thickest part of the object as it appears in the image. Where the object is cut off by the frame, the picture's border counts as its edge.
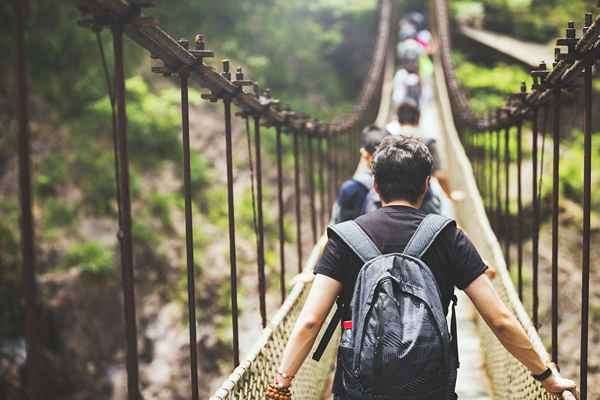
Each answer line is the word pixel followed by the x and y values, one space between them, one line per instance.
pixel 275 392
pixel 284 375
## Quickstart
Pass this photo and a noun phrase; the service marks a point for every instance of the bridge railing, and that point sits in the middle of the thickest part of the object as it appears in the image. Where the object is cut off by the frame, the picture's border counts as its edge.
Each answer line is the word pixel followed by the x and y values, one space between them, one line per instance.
pixel 323 153
pixel 493 144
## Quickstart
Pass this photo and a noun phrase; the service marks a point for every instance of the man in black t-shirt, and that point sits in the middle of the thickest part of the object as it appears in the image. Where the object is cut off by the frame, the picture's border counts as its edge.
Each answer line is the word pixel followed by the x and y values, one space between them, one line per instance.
pixel 402 168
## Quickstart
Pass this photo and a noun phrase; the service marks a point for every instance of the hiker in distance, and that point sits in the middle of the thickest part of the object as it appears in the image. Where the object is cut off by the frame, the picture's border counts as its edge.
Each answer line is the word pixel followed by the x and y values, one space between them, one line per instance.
pixel 356 196
pixel 393 272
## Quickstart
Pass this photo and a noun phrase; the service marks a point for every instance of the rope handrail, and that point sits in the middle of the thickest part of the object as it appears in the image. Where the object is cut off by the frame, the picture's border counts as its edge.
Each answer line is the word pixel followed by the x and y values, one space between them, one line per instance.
pixel 148 34
pixel 336 143
pixel 565 69
pixel 487 141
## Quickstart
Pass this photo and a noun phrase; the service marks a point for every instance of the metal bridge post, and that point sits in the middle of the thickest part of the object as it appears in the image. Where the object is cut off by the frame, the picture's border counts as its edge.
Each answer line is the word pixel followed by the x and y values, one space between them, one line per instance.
pixel 555 212
pixel 262 286
pixel 311 187
pixel 295 134
pixel 520 208
pixel 125 233
pixel 32 344
pixel 489 154
pixel 507 225
pixel 231 218
pixel 281 211
pixel 189 228
pixel 481 160
pixel 497 211
pixel 336 173
pixel 536 217
pixel 587 196
pixel 322 186
pixel 330 185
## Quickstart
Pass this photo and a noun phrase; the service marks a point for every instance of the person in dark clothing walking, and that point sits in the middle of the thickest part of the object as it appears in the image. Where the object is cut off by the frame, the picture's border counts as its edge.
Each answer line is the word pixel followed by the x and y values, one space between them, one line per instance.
pixel 402 168
pixel 356 196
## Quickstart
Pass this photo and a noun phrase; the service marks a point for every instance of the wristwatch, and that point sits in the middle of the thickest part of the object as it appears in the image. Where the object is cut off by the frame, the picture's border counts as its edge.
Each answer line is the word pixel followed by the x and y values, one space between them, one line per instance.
pixel 543 375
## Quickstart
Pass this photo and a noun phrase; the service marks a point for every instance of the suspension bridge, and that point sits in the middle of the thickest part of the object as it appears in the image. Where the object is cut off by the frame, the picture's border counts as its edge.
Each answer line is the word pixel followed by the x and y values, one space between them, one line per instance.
pixel 475 149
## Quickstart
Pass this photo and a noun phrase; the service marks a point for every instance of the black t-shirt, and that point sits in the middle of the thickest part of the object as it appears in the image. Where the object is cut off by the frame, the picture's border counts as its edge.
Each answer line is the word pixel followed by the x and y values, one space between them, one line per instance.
pixel 452 258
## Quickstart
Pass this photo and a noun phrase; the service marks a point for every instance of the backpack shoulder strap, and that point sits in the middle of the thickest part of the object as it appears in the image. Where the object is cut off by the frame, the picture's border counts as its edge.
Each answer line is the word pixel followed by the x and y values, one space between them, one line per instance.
pixel 362 245
pixel 357 239
pixel 426 233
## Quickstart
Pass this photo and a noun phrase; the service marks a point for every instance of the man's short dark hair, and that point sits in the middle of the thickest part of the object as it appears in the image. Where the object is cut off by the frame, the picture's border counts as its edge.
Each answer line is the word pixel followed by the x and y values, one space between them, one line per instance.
pixel 401 166
pixel 408 113
pixel 370 138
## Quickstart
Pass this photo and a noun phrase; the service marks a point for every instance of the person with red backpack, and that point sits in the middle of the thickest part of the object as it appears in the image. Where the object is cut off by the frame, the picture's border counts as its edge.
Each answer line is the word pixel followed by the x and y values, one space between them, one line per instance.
pixel 393 273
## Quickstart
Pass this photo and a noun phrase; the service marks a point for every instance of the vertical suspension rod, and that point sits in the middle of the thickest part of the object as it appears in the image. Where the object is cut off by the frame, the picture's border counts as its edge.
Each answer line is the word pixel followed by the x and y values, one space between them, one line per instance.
pixel 281 212
pixel 32 345
pixel 335 159
pixel 535 256
pixel 298 199
pixel 330 175
pixel 520 208
pixel 311 187
pixel 262 286
pixel 189 235
pixel 555 211
pixel 125 233
pixel 507 222
pixel 490 172
pixel 322 186
pixel 585 256
pixel 497 210
pixel 231 220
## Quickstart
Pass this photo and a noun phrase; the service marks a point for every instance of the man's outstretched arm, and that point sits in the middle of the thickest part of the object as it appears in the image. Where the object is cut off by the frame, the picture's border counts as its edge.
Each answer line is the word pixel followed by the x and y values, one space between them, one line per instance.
pixel 511 334
pixel 321 297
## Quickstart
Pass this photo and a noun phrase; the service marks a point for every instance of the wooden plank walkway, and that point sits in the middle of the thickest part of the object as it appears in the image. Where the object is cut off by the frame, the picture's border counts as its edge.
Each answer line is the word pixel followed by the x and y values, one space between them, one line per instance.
pixel 472 383
pixel 525 52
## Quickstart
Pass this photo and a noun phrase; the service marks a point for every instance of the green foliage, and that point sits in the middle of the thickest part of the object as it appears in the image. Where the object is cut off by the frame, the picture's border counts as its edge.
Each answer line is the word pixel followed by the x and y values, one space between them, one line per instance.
pixel 153 123
pixel 299 49
pixel 57 215
pixel 52 174
pixel 63 58
pixel 571 169
pixel 201 179
pixel 87 161
pixel 467 10
pixel 535 20
pixel 216 202
pixel 145 234
pixel 11 308
pixel 160 206
pixel 488 86
pixel 90 257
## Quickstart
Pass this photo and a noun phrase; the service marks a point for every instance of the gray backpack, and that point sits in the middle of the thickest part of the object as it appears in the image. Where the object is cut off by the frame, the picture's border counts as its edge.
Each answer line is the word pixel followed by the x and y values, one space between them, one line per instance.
pixel 400 346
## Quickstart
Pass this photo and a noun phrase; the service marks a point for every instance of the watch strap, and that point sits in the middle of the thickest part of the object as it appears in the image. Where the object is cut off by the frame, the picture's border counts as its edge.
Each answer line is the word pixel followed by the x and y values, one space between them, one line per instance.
pixel 543 375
